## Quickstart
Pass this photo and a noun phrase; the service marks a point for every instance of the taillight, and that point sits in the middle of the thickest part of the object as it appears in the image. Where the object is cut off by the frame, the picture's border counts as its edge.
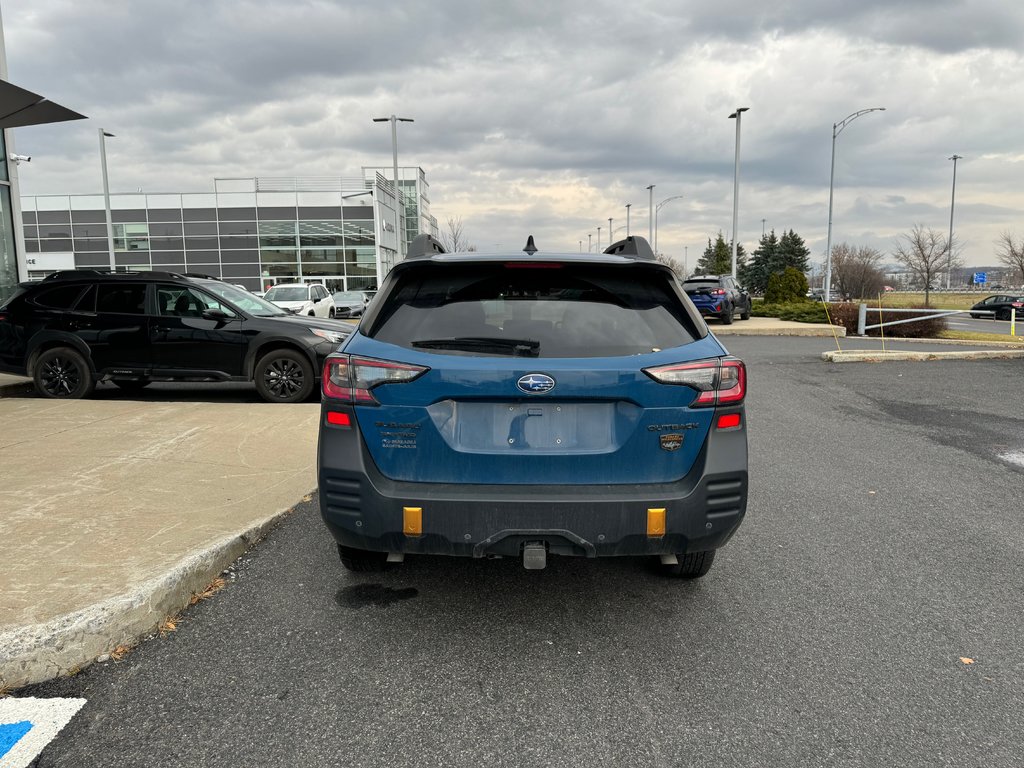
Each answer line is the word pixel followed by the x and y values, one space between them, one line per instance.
pixel 349 378
pixel 722 381
pixel 718 292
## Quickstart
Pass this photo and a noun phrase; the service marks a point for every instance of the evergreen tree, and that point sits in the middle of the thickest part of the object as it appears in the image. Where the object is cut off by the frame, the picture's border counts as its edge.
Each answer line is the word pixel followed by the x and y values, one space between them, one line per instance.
pixel 794 253
pixel 717 258
pixel 767 260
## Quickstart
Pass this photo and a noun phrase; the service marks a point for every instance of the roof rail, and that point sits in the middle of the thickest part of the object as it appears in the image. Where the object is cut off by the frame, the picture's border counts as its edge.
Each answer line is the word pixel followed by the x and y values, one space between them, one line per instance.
pixel 423 246
pixel 78 274
pixel 634 246
pixel 200 275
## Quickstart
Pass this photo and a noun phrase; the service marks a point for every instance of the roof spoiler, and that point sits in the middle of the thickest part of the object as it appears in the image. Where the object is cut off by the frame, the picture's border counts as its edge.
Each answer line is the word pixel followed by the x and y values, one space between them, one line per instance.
pixel 424 246
pixel 634 246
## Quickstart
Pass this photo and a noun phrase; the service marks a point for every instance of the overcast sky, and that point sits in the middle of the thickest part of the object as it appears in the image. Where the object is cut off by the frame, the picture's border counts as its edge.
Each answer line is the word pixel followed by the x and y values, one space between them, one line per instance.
pixel 546 118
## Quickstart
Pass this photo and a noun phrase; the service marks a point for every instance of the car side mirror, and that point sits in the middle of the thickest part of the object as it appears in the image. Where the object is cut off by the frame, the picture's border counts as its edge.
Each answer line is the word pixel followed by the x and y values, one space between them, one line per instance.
pixel 216 314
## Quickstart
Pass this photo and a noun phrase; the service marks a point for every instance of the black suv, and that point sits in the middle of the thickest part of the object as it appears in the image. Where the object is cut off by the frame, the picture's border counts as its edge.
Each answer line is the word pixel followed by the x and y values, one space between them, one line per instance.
pixel 718 296
pixel 79 327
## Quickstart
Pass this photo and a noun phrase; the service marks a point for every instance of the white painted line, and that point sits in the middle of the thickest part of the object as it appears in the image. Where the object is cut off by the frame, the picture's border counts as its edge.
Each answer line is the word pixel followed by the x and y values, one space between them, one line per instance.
pixel 1013 457
pixel 28 725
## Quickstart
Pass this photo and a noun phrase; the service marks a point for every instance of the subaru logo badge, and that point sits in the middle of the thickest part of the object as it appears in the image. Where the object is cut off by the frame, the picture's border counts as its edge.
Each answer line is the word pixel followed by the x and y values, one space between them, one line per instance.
pixel 536 383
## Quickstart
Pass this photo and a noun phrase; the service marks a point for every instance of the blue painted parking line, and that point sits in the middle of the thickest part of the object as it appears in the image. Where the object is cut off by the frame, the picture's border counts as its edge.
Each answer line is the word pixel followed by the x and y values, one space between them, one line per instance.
pixel 28 725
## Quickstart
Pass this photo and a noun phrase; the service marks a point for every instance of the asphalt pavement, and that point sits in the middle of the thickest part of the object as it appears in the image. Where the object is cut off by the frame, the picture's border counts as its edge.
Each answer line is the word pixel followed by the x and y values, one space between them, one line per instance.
pixel 868 612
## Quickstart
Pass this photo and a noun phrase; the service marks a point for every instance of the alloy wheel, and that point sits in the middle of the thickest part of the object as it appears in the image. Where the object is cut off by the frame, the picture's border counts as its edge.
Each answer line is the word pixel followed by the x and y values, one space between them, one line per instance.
pixel 283 377
pixel 60 376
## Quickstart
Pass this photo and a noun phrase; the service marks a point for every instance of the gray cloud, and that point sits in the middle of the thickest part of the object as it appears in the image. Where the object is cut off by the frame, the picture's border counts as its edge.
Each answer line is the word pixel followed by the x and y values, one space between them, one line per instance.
pixel 548 119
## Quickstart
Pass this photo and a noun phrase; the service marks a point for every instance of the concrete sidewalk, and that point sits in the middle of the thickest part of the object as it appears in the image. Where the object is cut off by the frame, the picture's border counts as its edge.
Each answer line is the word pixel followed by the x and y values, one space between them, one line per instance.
pixel 771 326
pixel 113 511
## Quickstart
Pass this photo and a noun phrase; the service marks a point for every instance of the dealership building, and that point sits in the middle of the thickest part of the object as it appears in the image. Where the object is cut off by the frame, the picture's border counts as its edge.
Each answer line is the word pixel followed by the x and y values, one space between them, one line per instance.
pixel 339 231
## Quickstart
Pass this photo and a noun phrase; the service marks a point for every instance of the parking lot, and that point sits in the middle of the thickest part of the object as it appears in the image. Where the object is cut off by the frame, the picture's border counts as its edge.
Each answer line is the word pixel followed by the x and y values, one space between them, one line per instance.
pixel 868 612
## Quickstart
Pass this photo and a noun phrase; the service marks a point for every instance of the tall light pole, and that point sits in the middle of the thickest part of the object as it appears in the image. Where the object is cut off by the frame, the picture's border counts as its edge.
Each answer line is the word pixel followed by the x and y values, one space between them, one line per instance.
pixel 686 256
pixel 658 208
pixel 106 195
pixel 837 128
pixel 581 246
pixel 738 116
pixel 949 242
pixel 590 242
pixel 394 157
pixel 627 218
pixel 650 215
pixel 598 239
pixel 610 231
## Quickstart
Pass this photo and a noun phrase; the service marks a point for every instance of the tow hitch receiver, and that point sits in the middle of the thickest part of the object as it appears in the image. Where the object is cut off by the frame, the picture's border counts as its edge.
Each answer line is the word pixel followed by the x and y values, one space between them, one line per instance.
pixel 535 555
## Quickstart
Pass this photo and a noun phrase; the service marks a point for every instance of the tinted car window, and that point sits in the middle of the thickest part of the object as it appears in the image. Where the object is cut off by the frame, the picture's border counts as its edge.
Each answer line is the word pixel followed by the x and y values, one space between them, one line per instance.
pixel 59 297
pixel 121 299
pixel 176 301
pixel 569 311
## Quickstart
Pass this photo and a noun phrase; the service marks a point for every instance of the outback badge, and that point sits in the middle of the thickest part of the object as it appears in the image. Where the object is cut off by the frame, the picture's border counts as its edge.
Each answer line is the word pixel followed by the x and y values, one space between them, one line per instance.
pixel 671 442
pixel 535 383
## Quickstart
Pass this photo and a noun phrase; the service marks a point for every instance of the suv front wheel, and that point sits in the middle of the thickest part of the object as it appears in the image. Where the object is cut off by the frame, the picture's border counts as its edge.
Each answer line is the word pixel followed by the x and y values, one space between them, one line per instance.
pixel 63 373
pixel 284 376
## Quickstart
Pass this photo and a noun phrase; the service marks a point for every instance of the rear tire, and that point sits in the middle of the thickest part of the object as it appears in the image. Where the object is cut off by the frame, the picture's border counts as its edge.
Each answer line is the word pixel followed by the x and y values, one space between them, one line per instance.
pixel 692 565
pixel 746 315
pixel 362 560
pixel 727 317
pixel 63 374
pixel 284 376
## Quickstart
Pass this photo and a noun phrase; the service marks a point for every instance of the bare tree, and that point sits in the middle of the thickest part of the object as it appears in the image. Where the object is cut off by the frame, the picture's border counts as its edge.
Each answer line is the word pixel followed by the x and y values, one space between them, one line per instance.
pixel 453 237
pixel 674 265
pixel 1011 253
pixel 856 270
pixel 926 254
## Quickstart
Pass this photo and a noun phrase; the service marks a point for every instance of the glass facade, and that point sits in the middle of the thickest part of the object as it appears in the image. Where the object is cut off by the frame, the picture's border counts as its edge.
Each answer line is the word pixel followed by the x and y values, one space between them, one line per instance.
pixel 253 232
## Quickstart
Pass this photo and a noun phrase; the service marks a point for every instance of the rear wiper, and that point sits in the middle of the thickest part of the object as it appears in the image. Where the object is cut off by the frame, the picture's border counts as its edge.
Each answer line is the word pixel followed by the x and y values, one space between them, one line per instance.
pixel 518 347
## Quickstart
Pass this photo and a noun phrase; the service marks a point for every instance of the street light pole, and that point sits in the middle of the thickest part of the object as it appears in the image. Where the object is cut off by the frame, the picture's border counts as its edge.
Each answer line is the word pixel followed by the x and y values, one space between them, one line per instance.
pixel 949 242
pixel 658 208
pixel 590 242
pixel 627 218
pixel 650 215
pixel 610 231
pixel 598 239
pixel 837 128
pixel 738 116
pixel 394 157
pixel 106 195
pixel 581 246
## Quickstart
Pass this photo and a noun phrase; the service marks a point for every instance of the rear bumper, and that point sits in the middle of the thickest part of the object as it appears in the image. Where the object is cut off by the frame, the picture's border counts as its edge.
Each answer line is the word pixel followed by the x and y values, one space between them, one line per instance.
pixel 365 510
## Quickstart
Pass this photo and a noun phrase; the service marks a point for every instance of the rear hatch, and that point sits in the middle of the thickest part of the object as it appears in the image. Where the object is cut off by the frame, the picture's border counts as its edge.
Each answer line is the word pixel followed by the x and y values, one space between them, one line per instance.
pixel 526 373
pixel 704 292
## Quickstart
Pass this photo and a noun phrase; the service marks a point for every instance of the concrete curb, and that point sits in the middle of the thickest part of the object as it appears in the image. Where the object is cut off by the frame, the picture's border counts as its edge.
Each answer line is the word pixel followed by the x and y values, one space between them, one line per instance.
pixel 40 652
pixel 877 356
pixel 950 342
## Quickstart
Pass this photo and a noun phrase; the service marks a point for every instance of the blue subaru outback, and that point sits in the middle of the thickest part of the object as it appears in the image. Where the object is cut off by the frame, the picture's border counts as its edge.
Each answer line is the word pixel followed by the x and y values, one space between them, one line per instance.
pixel 532 404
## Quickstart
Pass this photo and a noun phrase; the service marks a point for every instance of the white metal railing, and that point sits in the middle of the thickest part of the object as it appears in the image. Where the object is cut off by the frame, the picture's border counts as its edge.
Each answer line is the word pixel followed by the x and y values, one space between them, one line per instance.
pixel 863 327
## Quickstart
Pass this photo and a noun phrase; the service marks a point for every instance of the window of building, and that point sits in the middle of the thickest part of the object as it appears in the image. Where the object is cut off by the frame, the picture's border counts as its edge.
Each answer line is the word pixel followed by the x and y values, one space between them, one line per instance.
pixel 131 237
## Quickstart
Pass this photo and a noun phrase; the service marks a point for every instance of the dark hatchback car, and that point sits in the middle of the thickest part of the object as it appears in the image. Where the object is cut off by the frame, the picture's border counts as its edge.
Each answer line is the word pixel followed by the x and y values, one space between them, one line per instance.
pixel 718 296
pixel 527 404
pixel 79 327
pixel 1002 305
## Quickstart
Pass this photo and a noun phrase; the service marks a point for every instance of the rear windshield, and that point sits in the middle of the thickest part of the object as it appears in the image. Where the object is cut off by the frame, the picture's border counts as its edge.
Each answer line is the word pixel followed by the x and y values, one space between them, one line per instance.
pixel 696 285
pixel 564 310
